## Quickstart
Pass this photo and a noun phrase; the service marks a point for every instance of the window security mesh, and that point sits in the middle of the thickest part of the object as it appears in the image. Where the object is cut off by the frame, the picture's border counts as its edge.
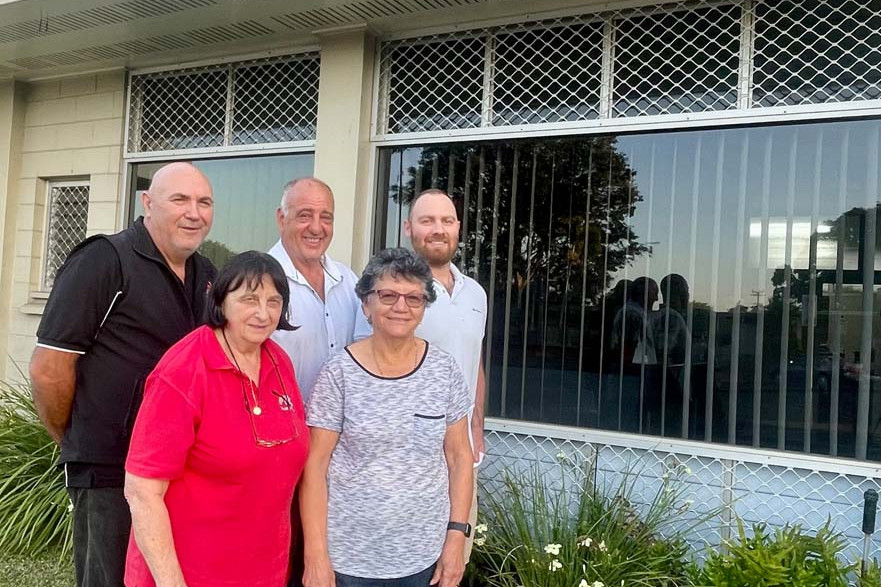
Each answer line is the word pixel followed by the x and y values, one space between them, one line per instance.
pixel 667 58
pixel 247 103
pixel 68 216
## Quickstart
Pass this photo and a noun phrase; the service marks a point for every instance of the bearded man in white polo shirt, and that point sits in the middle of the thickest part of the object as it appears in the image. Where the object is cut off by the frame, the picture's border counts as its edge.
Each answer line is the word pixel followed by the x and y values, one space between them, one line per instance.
pixel 323 301
pixel 456 322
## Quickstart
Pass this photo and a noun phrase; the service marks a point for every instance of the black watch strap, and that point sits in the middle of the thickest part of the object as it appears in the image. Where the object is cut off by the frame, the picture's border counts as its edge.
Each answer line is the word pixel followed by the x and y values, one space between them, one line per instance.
pixel 463 527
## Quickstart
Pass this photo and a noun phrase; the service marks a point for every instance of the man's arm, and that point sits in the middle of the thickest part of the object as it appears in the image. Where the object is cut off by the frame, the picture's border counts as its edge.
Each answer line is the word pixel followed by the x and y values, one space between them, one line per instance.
pixel 53 381
pixel 477 417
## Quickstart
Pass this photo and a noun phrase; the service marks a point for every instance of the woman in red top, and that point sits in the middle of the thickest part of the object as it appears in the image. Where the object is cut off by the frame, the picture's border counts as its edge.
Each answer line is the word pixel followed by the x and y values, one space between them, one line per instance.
pixel 219 444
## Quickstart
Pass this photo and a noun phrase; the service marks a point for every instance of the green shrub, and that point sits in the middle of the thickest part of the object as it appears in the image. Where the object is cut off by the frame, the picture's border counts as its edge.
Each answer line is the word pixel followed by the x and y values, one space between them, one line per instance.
pixel 33 499
pixel 872 576
pixel 787 557
pixel 583 534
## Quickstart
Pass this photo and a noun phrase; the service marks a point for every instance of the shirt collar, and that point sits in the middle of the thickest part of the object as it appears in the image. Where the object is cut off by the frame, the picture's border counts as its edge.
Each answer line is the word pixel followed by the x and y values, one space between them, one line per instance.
pixel 214 357
pixel 458 281
pixel 330 267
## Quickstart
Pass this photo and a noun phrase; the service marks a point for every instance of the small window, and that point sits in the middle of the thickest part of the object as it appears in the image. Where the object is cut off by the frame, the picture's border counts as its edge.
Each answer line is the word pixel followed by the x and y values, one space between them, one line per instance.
pixel 68 204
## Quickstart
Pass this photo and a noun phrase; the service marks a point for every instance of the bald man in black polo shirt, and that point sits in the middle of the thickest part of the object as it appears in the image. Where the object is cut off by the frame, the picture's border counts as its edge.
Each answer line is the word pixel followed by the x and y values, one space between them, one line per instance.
pixel 117 304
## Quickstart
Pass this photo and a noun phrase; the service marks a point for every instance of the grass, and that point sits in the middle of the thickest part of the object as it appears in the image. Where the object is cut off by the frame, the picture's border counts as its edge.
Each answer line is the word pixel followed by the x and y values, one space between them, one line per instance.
pixel 44 570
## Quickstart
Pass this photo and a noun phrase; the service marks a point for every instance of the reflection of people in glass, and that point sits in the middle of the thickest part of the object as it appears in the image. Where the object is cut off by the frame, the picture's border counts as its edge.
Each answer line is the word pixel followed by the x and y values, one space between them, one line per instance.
pixel 671 331
pixel 631 330
pixel 671 339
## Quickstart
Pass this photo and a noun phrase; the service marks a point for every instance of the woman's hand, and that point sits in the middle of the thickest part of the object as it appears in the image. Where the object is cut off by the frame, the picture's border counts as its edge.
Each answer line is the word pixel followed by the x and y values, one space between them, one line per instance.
pixel 318 572
pixel 451 565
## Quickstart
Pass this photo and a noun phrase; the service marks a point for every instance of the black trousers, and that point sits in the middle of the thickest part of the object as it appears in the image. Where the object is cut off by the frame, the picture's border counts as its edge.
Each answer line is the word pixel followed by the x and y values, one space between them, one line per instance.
pixel 101 526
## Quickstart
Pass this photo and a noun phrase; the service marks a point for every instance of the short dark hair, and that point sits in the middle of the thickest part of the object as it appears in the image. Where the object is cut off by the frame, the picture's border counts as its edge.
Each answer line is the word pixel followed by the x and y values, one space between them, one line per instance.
pixel 247 268
pixel 396 262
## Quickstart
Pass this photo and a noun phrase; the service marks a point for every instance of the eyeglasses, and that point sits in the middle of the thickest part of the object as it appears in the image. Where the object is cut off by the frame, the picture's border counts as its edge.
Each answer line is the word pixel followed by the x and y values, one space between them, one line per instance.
pixel 265 438
pixel 388 297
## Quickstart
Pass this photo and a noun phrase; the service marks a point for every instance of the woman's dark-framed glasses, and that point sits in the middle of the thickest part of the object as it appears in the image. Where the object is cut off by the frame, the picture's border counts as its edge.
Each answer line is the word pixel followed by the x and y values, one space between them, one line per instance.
pixel 388 297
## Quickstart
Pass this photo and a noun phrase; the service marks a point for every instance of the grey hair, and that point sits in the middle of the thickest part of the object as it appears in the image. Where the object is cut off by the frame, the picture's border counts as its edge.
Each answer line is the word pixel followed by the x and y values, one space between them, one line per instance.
pixel 294 183
pixel 396 262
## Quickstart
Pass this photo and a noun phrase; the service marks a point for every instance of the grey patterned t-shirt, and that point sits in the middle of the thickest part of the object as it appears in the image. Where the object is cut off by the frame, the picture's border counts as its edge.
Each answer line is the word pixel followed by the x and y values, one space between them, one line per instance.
pixel 388 488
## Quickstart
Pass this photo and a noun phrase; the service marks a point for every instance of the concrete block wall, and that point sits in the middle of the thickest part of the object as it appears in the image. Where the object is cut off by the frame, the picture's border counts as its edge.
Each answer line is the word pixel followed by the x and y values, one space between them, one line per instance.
pixel 73 129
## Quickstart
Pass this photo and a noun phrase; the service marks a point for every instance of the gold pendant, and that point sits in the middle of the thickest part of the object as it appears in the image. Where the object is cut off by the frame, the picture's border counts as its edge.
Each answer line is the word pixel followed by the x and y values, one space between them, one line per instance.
pixel 256 411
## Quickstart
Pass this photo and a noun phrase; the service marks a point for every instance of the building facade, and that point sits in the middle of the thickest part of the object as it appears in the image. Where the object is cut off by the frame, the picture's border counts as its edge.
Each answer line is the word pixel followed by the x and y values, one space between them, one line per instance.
pixel 673 206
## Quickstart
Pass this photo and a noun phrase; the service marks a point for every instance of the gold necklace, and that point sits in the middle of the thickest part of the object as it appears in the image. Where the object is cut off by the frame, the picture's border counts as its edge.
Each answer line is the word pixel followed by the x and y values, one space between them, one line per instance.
pixel 376 360
pixel 256 410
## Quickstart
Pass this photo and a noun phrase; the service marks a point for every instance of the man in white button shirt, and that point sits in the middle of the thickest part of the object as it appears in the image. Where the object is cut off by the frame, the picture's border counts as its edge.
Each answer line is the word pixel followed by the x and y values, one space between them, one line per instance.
pixel 456 322
pixel 323 301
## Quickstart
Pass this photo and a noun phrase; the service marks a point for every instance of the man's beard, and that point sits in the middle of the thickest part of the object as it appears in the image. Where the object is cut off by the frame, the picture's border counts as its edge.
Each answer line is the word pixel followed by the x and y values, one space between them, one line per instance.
pixel 437 257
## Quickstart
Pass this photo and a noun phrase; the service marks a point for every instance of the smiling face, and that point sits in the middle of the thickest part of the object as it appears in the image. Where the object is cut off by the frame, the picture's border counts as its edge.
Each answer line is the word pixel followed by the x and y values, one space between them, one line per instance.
pixel 305 221
pixel 397 320
pixel 178 210
pixel 433 228
pixel 252 313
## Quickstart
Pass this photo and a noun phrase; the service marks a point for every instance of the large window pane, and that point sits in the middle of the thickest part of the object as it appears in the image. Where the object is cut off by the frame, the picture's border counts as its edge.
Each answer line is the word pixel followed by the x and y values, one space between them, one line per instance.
pixel 718 285
pixel 246 194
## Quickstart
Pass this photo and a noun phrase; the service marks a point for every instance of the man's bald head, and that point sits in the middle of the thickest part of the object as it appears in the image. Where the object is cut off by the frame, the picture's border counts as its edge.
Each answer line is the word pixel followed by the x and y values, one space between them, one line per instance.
pixel 178 210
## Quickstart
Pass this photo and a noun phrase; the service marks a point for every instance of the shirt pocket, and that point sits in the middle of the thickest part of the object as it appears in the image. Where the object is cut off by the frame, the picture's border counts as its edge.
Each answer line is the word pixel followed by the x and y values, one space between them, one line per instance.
pixel 428 432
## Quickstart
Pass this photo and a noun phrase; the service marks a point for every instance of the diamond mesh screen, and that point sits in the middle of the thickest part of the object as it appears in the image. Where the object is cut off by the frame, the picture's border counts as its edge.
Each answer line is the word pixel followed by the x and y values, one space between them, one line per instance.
pixel 255 102
pixel 815 51
pixel 680 61
pixel 667 58
pixel 436 85
pixel 68 217
pixel 759 487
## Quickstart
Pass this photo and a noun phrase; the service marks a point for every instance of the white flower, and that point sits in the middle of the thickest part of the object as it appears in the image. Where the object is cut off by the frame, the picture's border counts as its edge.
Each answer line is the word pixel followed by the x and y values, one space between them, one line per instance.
pixel 555 566
pixel 602 546
pixel 561 456
pixel 480 528
pixel 553 549
pixel 479 541
pixel 70 506
pixel 597 584
pixel 586 542
pixel 688 470
pixel 583 583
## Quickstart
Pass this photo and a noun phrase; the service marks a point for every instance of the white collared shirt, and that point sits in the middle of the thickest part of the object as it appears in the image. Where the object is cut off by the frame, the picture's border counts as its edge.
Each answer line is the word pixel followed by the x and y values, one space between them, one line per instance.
pixel 325 328
pixel 456 323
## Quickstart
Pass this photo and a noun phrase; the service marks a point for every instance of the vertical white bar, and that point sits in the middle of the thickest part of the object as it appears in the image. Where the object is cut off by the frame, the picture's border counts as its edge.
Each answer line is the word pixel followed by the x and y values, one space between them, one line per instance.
pixel 478 224
pixel 607 76
pixel 666 294
pixel 550 241
pixel 509 278
pixel 783 382
pixel 811 307
pixel 528 280
pixel 486 104
pixel 714 293
pixel 747 55
pixel 648 264
pixel 689 314
pixel 742 229
pixel 466 209
pixel 492 271
pixel 583 303
pixel 835 305
pixel 760 292
pixel 868 271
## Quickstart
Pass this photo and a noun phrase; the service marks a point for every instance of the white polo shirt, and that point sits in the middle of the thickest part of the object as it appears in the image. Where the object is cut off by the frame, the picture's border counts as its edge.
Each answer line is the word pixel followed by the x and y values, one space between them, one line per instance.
pixel 325 328
pixel 456 323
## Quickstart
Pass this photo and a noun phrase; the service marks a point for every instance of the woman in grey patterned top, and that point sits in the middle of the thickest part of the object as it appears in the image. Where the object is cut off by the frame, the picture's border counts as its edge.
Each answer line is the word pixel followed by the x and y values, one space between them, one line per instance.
pixel 387 488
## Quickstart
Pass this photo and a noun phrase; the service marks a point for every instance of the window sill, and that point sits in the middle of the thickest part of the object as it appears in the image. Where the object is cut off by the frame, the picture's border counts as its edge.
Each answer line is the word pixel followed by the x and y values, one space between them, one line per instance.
pixel 33 309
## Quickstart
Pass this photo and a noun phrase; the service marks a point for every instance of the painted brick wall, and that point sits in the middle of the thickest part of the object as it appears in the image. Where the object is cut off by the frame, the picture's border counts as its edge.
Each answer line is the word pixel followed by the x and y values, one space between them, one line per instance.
pixel 73 129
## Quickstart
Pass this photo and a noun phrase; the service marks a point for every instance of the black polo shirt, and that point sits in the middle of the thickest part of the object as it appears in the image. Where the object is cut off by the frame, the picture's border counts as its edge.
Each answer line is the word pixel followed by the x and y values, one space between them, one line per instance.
pixel 118 304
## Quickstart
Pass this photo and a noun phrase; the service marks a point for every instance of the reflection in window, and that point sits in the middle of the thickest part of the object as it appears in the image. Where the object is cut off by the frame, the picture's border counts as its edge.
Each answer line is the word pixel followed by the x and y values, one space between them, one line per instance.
pixel 717 285
pixel 247 191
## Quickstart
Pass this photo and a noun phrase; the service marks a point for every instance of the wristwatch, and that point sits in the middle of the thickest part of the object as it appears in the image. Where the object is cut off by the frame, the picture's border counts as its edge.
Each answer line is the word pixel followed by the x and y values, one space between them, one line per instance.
pixel 463 527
